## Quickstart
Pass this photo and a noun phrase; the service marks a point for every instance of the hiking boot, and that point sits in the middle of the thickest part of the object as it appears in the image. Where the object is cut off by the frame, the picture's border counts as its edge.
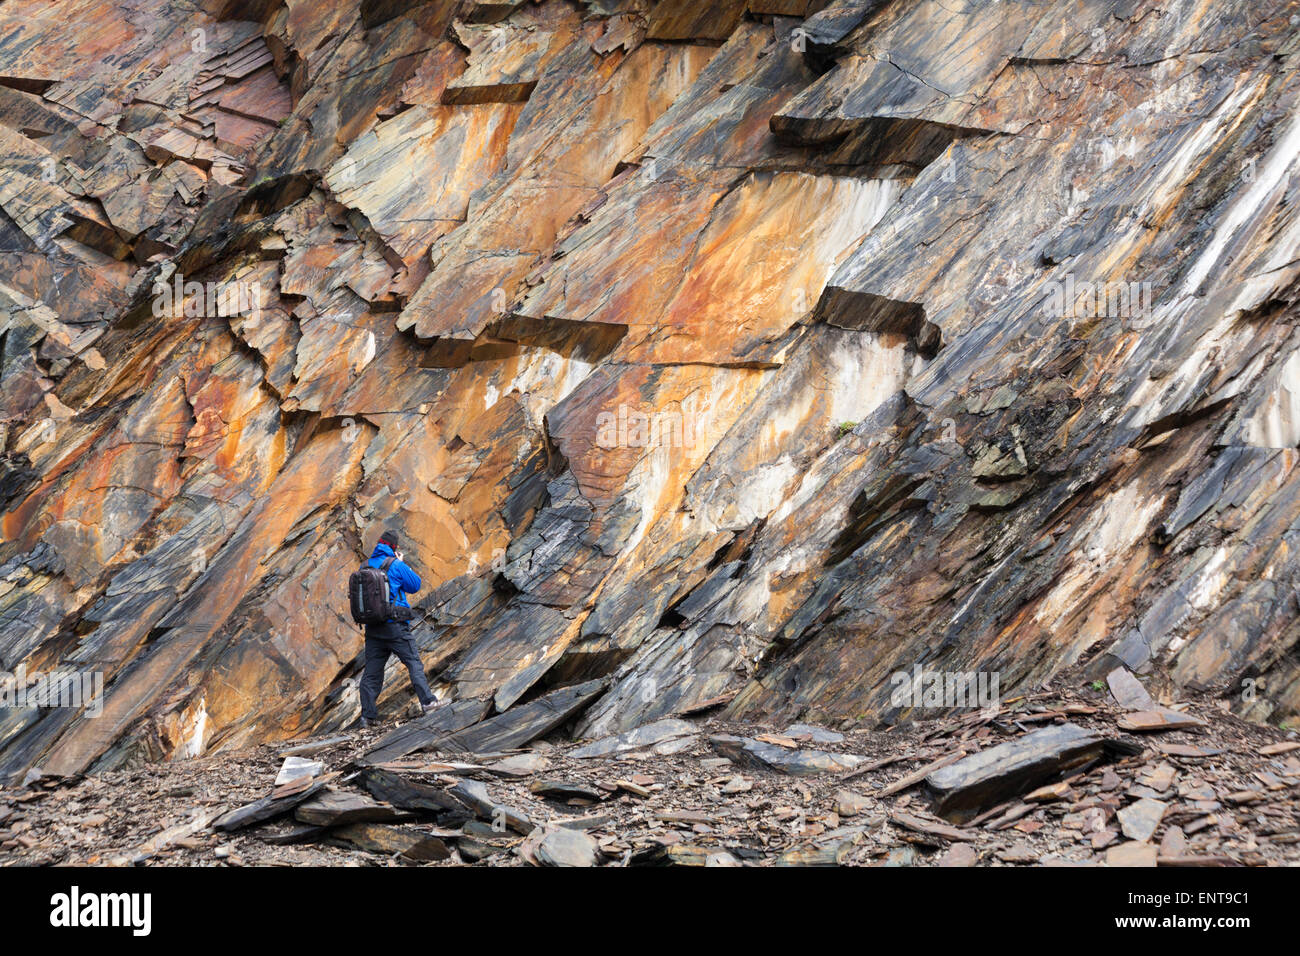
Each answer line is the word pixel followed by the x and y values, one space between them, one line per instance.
pixel 368 724
pixel 429 708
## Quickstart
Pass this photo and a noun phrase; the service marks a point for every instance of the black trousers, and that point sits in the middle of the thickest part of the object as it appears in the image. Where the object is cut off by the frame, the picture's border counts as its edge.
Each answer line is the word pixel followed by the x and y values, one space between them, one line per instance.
pixel 383 640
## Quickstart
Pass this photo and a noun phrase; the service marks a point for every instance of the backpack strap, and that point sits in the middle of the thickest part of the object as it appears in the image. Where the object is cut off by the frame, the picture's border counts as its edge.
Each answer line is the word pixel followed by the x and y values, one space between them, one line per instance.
pixel 387 562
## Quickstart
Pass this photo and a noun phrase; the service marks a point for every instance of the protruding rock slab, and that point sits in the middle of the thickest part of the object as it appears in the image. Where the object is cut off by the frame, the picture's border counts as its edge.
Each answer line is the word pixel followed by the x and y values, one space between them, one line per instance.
pixel 1010 769
pixel 339 807
pixel 428 730
pixel 407 794
pixel 526 722
pixel 265 809
pixel 773 757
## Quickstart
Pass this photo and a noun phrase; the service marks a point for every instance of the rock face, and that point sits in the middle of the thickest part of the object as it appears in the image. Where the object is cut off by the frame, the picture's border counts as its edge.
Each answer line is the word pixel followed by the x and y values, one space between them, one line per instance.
pixel 752 351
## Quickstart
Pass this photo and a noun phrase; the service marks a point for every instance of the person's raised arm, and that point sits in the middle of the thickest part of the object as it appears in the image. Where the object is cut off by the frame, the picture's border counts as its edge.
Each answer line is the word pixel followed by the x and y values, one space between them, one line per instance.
pixel 409 580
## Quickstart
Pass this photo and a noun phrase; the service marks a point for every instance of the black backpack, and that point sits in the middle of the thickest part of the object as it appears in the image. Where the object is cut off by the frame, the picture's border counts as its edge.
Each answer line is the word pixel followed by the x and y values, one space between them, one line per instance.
pixel 369 594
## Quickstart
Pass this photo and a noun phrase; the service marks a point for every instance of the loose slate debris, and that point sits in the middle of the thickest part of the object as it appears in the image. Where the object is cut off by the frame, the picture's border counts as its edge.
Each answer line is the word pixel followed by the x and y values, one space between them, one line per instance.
pixel 991 776
pixel 1236 808
pixel 428 730
pixel 518 725
pixel 773 757
pixel 813 734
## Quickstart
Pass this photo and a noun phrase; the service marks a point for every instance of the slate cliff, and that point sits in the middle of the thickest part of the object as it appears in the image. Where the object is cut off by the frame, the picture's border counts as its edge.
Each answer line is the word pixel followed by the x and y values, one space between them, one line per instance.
pixel 760 347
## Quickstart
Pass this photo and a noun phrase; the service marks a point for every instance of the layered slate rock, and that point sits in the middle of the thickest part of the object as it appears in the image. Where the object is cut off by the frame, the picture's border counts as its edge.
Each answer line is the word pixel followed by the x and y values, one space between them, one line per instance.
pixel 425 732
pixel 742 357
pixel 523 723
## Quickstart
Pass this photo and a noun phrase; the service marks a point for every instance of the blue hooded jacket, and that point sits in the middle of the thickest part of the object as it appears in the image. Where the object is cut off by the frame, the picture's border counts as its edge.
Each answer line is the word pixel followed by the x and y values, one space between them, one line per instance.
pixel 401 579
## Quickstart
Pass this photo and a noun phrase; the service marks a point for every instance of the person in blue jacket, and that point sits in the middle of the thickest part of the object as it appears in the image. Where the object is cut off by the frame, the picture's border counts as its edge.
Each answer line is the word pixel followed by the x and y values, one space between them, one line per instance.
pixel 393 636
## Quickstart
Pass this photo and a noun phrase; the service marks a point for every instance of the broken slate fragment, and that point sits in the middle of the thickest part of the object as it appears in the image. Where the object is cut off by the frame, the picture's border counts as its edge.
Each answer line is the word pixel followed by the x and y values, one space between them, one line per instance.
pixel 850 804
pixel 475 796
pixel 920 825
pixel 313 746
pixel 520 765
pixel 772 757
pixel 264 809
pixel 832 854
pixel 338 808
pixel 817 735
pixel 518 725
pixel 1128 690
pixel 562 790
pixel 959 855
pixel 567 847
pixel 1161 718
pixel 991 776
pixel 296 768
pixel 737 784
pixel 1139 820
pixel 647 735
pixel 407 794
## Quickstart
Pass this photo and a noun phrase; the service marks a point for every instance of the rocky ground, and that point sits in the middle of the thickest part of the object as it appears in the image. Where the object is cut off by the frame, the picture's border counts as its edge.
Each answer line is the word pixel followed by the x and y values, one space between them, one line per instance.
pixel 703 791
